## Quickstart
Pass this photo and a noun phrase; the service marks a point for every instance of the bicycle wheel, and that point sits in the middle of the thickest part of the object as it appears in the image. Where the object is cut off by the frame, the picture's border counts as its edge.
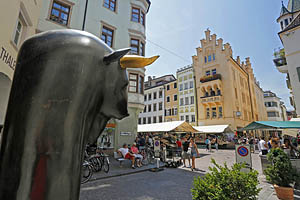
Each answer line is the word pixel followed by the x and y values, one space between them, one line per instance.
pixel 150 158
pixel 86 173
pixel 96 164
pixel 106 165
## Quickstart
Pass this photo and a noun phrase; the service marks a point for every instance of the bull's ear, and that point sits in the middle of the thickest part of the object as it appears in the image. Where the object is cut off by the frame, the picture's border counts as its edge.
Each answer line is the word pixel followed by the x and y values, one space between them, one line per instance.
pixel 115 56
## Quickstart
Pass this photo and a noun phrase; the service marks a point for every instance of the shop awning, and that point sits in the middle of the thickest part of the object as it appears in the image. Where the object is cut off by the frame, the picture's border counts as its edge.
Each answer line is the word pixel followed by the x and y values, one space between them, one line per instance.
pixel 290 132
pixel 175 126
pixel 272 125
pixel 295 120
pixel 211 129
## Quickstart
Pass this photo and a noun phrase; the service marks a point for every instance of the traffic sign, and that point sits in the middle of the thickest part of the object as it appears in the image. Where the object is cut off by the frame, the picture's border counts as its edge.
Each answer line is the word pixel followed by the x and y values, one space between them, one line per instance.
pixel 243 155
pixel 242 151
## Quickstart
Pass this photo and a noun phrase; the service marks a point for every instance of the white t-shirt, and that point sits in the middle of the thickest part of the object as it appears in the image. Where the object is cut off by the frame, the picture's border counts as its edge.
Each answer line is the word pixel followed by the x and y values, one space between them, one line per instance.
pixel 261 145
pixel 124 151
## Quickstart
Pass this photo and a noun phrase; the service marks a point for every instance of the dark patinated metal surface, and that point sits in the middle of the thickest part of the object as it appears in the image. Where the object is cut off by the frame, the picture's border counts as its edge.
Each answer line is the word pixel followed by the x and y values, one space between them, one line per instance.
pixel 61 98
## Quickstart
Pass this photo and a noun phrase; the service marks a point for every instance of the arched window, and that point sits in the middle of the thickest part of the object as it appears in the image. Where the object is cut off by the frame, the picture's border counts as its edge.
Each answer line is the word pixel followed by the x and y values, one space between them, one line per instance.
pixel 218 92
pixel 205 59
pixel 212 92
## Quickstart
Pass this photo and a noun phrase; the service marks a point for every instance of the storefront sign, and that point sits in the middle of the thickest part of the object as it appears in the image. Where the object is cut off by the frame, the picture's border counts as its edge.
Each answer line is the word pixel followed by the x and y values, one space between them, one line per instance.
pixel 7 58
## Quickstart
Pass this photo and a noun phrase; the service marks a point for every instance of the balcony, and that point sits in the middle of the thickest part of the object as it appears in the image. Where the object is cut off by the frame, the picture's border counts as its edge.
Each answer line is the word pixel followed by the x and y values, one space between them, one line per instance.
pixel 210 78
pixel 280 61
pixel 212 100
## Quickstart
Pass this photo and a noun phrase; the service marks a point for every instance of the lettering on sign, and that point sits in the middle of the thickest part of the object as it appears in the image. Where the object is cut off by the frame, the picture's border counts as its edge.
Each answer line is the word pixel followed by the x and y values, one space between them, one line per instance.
pixel 7 58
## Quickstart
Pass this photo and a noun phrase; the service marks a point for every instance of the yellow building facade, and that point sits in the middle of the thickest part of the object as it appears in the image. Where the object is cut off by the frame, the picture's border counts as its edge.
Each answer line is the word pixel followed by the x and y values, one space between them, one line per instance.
pixel 171 101
pixel 226 87
pixel 18 19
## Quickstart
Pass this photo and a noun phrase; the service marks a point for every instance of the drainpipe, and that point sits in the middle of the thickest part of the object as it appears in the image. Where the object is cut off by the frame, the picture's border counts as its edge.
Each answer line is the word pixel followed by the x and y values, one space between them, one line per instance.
pixel 250 97
pixel 85 12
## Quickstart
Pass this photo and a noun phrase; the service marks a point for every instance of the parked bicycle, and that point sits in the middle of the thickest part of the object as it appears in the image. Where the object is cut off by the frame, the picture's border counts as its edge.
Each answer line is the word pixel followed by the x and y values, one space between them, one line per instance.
pixel 86 171
pixel 148 155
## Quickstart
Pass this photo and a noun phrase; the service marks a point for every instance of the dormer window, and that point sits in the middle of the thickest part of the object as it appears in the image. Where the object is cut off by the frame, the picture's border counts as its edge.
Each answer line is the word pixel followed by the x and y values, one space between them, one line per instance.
pixel 286 22
pixel 281 24
pixel 209 58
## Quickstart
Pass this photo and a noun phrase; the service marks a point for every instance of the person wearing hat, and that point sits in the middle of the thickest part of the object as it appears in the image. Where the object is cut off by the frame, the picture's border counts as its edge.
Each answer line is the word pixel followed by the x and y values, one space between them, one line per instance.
pixel 138 156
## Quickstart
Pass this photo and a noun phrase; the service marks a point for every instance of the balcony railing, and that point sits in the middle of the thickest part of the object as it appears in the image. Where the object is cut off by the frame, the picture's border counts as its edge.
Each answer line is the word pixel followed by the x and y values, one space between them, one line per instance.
pixel 210 78
pixel 279 58
pixel 211 99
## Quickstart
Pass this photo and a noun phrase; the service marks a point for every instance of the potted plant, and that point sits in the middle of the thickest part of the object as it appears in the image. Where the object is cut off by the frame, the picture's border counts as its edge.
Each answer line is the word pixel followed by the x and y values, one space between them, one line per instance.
pixel 281 174
pixel 224 183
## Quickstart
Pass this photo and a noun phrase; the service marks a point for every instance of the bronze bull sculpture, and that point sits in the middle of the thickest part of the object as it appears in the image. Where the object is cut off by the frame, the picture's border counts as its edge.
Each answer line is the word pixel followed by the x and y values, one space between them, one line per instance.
pixel 67 85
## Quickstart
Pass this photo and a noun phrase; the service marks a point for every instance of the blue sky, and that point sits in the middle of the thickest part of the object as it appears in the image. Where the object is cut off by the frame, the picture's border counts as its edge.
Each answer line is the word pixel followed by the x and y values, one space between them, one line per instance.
pixel 248 25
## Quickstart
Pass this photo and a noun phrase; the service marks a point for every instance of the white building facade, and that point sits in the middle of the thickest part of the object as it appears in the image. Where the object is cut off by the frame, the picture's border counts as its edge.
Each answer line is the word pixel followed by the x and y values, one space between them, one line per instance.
pixel 276 110
pixel 120 24
pixel 187 108
pixel 287 60
pixel 154 105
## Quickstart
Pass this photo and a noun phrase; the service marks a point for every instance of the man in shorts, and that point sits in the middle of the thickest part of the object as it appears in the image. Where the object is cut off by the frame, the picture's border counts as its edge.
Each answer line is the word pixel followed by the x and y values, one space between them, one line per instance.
pixel 127 155
pixel 185 154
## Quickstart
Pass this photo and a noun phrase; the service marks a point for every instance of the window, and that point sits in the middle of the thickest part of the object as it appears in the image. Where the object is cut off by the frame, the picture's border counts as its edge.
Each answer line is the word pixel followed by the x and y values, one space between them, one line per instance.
pixel 214 112
pixel 138 16
pixel 281 24
pixel 214 57
pixel 207 73
pixel 140 121
pixel 144 120
pixel 286 22
pixel 141 85
pixel 182 118
pixel 137 47
pixel 107 35
pixel 193 118
pixel 220 112
pixel 154 107
pixel 186 86
pixel 167 113
pixel 218 92
pixel 160 119
pixel 154 119
pixel 175 111
pixel 149 96
pixel 181 102
pixel 235 91
pixel 168 87
pixel 205 59
pixel 149 108
pixel 273 114
pixel 110 4
pixel 143 16
pixel 207 113
pixel 180 87
pixel 149 120
pixel 186 101
pixel 18 32
pixel 175 97
pixel 168 99
pixel 135 14
pixel 214 71
pixel 145 97
pixel 160 106
pixel 60 13
pixel 133 83
pixel 154 95
pixel 191 84
pixel 175 85
pixel 192 99
pixel 209 58
pixel 298 72
pixel 187 119
pixel 145 109
pixel 160 94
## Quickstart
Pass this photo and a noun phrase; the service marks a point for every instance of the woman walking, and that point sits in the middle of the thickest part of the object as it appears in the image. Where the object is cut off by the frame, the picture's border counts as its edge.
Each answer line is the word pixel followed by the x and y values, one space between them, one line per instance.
pixel 194 153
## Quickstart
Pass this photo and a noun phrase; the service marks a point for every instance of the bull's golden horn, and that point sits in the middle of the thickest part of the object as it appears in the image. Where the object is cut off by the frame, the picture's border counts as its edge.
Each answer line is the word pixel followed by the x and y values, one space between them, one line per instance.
pixel 132 61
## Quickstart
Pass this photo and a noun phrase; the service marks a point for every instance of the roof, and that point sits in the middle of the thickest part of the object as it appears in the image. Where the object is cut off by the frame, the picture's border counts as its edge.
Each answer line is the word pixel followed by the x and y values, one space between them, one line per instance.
pixel 293 24
pixel 175 126
pixel 284 10
pixel 211 129
pixel 293 6
pixel 272 125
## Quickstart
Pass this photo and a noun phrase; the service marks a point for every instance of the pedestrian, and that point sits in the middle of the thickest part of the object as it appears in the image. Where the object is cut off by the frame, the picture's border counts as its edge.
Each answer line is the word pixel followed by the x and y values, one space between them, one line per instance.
pixel 251 142
pixel 127 155
pixel 209 145
pixel 179 146
pixel 207 141
pixel 194 153
pixel 262 146
pixel 217 144
pixel 134 150
pixel 185 154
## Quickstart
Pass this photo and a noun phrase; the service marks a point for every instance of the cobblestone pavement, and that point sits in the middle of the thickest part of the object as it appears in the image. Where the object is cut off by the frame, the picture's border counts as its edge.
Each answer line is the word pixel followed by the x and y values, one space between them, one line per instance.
pixel 168 184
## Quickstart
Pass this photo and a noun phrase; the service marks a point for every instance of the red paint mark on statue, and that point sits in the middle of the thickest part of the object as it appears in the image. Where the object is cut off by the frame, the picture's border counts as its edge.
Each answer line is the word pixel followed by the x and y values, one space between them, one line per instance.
pixel 39 180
